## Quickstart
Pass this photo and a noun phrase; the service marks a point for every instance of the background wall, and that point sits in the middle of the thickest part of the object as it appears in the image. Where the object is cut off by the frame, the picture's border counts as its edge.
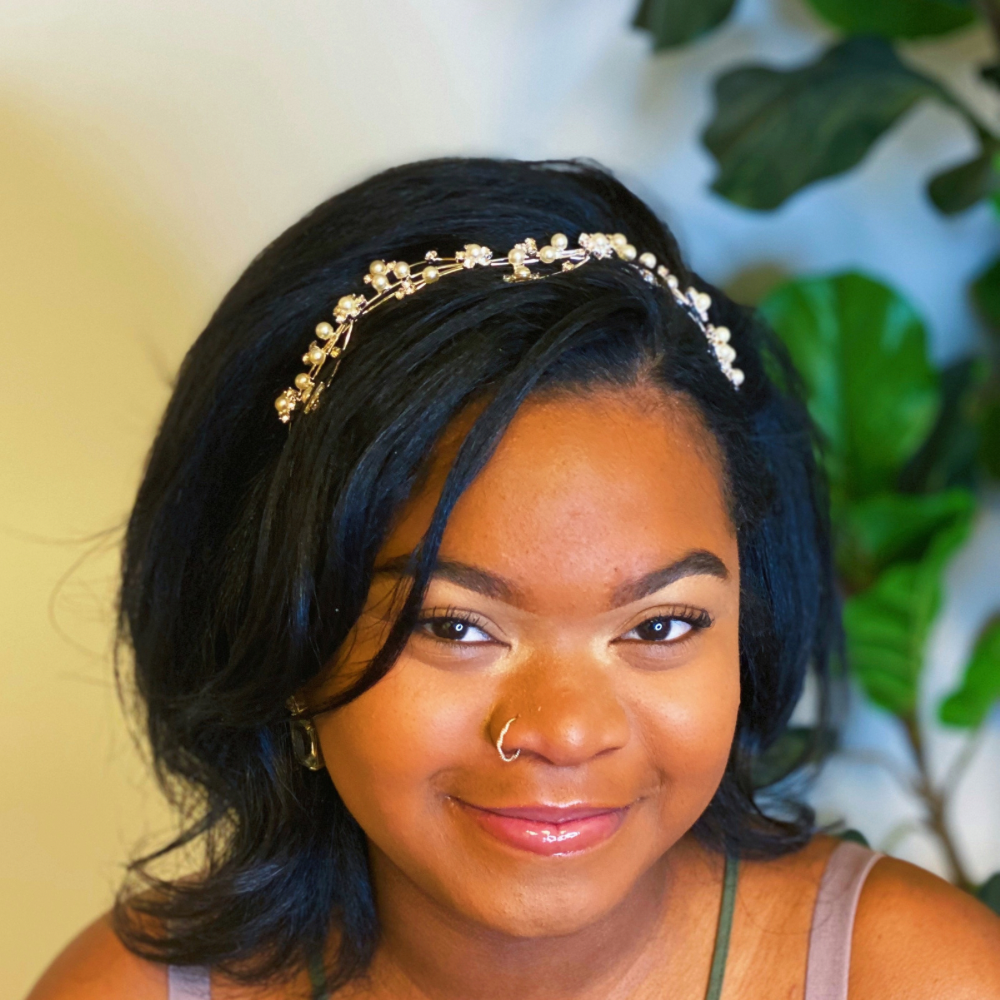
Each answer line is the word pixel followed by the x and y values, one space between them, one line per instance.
pixel 148 151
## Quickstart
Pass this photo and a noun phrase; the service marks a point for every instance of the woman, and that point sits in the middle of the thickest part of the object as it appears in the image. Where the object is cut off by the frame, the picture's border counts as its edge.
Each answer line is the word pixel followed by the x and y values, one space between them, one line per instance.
pixel 459 654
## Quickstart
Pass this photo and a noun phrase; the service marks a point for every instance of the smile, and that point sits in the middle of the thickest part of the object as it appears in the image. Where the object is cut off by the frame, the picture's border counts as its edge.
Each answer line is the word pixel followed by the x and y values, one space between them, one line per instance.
pixel 549 830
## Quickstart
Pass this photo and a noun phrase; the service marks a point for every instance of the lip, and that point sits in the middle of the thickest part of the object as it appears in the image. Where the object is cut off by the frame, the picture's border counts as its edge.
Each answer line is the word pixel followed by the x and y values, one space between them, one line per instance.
pixel 549 830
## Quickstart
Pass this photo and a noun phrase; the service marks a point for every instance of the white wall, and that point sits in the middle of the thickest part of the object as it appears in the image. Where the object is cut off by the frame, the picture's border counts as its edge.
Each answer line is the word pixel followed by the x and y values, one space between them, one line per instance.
pixel 148 150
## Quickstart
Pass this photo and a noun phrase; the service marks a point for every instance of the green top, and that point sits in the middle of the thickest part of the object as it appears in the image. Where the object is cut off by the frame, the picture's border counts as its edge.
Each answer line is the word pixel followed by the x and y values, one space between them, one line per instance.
pixel 721 952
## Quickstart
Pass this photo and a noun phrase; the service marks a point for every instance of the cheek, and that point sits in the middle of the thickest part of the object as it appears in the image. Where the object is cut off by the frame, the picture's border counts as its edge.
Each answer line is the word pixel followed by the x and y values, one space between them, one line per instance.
pixel 687 720
pixel 385 750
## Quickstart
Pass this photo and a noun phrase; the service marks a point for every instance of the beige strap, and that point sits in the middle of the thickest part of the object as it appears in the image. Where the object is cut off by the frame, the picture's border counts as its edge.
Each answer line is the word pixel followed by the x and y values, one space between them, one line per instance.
pixel 829 960
pixel 188 983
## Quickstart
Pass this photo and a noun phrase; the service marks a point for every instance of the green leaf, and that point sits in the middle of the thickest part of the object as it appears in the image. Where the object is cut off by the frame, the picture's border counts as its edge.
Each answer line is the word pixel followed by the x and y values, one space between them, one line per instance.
pixel 989 429
pixel 794 748
pixel 676 22
pixel 887 625
pixel 855 837
pixel 895 18
pixel 949 455
pixel 989 893
pixel 861 350
pixel 891 527
pixel 775 131
pixel 986 295
pixel 971 702
pixel 958 188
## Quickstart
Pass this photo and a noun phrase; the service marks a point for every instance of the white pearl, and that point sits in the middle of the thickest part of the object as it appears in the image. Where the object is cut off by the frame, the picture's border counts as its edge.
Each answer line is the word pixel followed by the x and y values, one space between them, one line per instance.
pixel 547 254
pixel 516 256
pixel 628 251
pixel 380 282
pixel 316 355
pixel 673 282
pixel 346 303
pixel 401 269
pixel 619 240
pixel 430 274
pixel 736 376
pixel 522 272
pixel 703 301
pixel 601 241
pixel 324 331
pixel 648 260
pixel 725 354
pixel 560 241
pixel 302 381
pixel 377 267
pixel 722 334
pixel 281 404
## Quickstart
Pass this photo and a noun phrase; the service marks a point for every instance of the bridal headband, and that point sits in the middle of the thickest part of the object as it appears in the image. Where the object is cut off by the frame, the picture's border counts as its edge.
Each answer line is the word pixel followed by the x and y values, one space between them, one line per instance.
pixel 526 262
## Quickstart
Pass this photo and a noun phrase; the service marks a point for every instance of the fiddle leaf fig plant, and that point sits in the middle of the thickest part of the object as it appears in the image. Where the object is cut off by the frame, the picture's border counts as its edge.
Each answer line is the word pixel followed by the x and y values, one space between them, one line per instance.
pixel 908 446
pixel 775 131
pixel 861 350
pixel 896 18
pixel 675 22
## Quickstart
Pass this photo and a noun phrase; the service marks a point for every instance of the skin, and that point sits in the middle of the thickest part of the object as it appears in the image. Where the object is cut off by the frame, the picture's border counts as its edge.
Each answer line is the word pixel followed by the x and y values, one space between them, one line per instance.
pixel 623 684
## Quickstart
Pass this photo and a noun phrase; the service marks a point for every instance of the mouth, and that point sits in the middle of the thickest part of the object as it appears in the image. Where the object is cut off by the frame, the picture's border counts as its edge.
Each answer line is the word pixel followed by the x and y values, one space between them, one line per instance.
pixel 549 830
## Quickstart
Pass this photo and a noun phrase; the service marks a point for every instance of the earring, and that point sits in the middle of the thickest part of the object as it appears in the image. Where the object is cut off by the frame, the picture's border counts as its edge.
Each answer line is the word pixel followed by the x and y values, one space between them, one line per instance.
pixel 305 741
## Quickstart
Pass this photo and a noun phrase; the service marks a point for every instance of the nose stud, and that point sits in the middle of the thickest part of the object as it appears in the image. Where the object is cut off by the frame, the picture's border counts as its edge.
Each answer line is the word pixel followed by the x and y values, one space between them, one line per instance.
pixel 503 732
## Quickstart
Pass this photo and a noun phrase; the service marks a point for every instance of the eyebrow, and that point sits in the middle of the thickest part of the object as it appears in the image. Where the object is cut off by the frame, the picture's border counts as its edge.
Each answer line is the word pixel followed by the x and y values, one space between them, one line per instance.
pixel 700 562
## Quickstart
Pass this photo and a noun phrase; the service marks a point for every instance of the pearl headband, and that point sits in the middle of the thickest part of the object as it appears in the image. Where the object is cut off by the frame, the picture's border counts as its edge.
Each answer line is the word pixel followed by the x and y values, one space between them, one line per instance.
pixel 396 280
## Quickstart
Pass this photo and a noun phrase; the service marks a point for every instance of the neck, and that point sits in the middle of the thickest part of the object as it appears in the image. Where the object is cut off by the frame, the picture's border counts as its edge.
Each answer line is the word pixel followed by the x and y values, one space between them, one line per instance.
pixel 660 928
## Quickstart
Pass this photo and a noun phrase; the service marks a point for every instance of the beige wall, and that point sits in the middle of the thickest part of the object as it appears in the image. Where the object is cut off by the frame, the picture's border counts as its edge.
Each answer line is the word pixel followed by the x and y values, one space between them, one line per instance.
pixel 97 308
pixel 148 149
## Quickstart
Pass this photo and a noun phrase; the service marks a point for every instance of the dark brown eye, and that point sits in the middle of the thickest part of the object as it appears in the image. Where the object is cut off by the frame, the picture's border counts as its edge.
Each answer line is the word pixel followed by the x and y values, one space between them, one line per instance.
pixel 663 629
pixel 453 630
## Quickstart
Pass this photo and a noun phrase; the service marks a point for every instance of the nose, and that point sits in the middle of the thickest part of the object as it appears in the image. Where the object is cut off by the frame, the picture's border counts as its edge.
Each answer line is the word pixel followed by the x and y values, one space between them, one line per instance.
pixel 561 713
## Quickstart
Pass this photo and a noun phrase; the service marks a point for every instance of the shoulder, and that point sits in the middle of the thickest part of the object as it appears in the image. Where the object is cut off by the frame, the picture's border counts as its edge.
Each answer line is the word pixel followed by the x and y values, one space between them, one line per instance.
pixel 917 936
pixel 96 966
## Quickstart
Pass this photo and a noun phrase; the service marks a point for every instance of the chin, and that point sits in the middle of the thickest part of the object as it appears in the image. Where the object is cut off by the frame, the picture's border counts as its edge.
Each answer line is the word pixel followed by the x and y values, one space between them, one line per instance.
pixel 549 897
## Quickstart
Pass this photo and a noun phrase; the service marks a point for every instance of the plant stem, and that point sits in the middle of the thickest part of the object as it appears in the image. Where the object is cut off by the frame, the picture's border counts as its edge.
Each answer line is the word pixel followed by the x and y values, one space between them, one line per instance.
pixel 990 12
pixel 936 805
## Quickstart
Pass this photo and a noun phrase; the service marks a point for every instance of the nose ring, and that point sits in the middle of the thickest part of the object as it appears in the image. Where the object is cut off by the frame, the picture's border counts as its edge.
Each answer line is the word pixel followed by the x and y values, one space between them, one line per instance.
pixel 503 733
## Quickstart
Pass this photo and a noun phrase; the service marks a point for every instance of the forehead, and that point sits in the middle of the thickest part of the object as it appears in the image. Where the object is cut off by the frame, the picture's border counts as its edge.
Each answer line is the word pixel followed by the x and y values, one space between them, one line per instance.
pixel 582 492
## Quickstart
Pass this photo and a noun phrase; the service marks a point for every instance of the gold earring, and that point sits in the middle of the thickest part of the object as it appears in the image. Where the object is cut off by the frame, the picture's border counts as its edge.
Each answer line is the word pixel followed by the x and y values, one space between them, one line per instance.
pixel 305 741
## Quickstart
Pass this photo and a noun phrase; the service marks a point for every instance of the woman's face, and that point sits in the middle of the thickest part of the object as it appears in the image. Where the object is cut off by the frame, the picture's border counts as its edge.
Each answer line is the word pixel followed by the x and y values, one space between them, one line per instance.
pixel 588 589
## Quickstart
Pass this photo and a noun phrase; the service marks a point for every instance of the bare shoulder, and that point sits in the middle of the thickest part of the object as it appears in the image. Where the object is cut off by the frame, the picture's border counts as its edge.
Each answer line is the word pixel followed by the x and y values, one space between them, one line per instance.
pixel 916 936
pixel 95 965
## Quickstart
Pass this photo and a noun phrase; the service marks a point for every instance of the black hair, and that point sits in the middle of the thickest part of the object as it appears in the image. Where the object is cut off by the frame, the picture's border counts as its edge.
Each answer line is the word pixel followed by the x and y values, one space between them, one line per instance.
pixel 250 549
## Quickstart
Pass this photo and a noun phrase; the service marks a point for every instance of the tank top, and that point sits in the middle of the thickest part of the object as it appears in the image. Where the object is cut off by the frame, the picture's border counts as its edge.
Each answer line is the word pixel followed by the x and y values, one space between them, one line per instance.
pixel 827 966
